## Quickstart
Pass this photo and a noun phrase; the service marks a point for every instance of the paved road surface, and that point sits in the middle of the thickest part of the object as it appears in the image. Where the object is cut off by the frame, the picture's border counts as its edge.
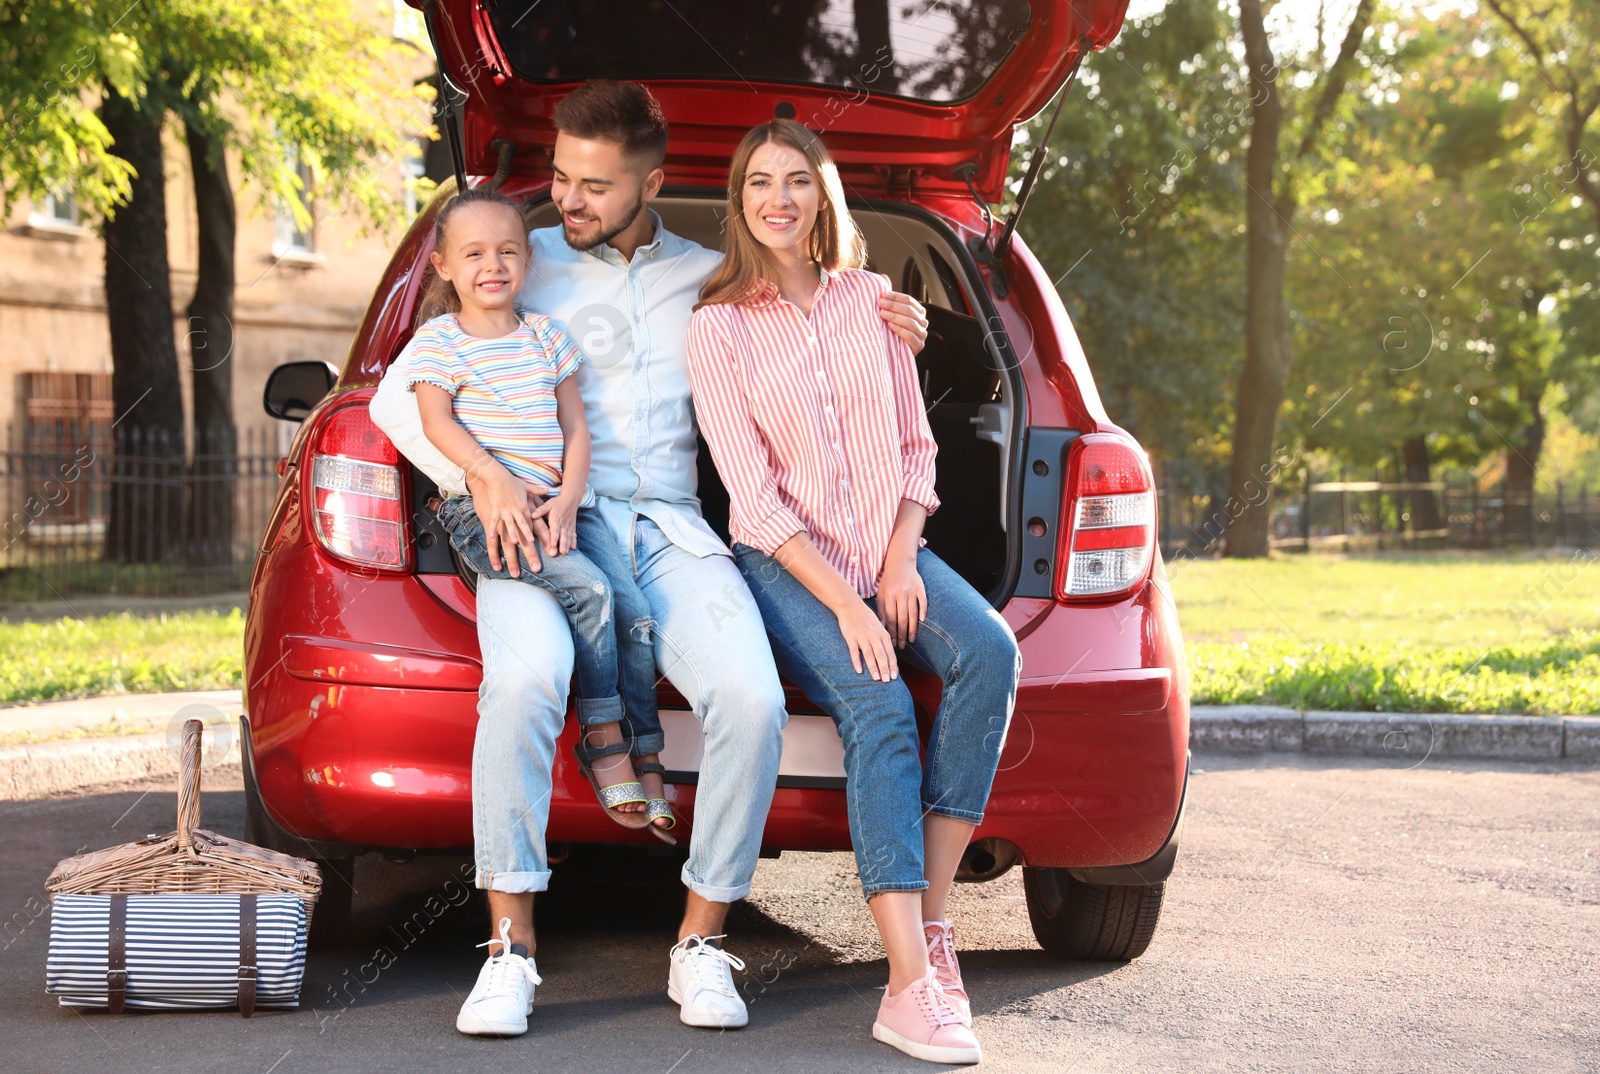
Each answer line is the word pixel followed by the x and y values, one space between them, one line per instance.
pixel 1327 915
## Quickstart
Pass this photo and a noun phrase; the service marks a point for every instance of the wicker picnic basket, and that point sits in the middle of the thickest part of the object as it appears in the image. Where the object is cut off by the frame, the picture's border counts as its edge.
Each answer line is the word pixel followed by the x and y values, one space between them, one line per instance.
pixel 188 861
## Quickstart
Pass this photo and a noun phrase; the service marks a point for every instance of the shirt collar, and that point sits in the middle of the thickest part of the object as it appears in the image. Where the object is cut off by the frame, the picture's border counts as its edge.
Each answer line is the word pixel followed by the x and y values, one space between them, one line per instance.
pixel 609 254
pixel 767 293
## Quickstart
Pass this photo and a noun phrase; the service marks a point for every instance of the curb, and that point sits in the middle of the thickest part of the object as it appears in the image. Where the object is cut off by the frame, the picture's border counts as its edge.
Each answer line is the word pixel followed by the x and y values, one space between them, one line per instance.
pixel 47 768
pixel 1406 736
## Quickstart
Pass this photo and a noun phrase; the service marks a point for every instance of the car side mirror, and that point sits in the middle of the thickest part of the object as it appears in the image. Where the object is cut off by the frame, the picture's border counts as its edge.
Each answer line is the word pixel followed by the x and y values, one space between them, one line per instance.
pixel 295 388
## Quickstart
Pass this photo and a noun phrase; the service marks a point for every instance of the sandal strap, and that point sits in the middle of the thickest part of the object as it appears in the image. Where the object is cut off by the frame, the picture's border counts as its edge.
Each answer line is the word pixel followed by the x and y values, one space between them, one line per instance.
pixel 590 754
pixel 645 768
pixel 621 794
pixel 660 807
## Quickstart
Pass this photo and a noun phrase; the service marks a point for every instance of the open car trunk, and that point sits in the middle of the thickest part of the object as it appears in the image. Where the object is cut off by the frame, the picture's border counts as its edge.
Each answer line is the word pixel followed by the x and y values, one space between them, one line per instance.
pixel 974 399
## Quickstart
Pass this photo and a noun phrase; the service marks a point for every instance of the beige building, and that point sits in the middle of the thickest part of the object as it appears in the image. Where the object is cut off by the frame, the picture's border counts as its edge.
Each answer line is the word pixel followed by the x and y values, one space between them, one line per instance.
pixel 300 293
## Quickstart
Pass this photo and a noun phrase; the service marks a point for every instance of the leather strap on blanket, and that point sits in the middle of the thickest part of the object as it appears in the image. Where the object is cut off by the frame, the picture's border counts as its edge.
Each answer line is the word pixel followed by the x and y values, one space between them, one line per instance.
pixel 117 955
pixel 247 954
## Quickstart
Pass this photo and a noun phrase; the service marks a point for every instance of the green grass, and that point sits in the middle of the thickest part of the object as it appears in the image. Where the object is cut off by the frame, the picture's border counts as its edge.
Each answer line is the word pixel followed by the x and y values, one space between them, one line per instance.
pixel 122 653
pixel 1425 633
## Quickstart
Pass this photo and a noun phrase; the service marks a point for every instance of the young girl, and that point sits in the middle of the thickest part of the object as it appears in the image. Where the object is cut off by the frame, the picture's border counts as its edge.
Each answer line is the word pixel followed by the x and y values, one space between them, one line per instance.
pixel 814 418
pixel 497 397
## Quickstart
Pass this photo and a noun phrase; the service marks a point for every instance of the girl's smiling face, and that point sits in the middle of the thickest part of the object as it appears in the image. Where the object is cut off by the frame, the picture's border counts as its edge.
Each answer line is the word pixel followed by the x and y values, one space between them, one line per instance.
pixel 781 195
pixel 485 255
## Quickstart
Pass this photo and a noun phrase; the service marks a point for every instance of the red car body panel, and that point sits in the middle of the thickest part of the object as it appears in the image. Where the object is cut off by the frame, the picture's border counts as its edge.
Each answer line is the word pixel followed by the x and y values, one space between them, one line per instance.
pixel 361 684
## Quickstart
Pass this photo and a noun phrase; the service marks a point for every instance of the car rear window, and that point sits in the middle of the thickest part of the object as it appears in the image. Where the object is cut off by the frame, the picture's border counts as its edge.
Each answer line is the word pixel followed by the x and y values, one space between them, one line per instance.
pixel 939 51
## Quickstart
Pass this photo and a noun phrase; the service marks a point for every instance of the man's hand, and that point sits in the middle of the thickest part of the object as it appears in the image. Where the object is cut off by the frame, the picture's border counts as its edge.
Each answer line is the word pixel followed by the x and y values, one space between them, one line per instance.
pixel 501 503
pixel 906 318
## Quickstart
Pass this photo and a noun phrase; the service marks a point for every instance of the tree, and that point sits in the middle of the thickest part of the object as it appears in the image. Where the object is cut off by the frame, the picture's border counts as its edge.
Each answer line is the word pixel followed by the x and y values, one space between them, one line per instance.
pixel 1272 197
pixel 146 510
pixel 1135 213
pixel 1449 310
pixel 1562 43
pixel 246 78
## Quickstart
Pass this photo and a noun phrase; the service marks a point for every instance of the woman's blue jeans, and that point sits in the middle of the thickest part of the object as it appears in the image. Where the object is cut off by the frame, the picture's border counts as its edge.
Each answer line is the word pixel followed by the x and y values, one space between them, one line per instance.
pixel 613 654
pixel 890 788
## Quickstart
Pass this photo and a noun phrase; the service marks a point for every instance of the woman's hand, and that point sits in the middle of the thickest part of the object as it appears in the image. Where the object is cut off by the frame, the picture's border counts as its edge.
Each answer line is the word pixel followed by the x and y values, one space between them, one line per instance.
pixel 868 642
pixel 501 503
pixel 561 514
pixel 902 598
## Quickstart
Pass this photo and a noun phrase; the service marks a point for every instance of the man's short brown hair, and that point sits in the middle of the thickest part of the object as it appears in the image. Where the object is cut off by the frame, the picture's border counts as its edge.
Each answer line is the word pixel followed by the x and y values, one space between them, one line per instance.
pixel 622 113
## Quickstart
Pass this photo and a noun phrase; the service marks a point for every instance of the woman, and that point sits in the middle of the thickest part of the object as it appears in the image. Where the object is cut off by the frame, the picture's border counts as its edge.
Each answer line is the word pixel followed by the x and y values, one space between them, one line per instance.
pixel 814 418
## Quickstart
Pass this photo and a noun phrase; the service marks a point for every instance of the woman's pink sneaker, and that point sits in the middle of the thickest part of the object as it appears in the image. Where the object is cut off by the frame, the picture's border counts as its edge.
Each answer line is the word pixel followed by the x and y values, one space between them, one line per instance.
pixel 921 1022
pixel 941 937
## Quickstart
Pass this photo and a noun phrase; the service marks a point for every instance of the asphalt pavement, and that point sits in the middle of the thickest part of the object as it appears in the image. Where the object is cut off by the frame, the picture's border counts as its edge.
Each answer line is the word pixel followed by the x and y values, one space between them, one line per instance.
pixel 1327 914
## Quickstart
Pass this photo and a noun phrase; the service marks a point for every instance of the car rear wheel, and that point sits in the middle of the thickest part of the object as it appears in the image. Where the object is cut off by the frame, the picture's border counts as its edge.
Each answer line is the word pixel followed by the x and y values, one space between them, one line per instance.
pixel 1102 922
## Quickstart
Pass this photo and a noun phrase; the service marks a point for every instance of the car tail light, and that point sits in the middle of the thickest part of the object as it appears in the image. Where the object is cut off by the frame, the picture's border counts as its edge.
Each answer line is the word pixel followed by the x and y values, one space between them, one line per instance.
pixel 358 507
pixel 1109 518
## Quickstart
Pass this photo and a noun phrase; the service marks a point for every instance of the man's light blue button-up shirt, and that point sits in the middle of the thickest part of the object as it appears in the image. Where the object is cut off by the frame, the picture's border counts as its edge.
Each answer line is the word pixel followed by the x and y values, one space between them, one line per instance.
pixel 631 321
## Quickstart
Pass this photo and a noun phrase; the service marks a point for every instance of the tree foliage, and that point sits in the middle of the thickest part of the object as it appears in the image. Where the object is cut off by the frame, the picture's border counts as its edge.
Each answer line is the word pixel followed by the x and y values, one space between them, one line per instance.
pixel 256 76
pixel 1442 290
pixel 1134 214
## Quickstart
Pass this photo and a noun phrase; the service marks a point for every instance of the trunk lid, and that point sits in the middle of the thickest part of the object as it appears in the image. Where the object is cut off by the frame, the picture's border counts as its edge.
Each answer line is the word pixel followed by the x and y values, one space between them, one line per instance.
pixel 906 92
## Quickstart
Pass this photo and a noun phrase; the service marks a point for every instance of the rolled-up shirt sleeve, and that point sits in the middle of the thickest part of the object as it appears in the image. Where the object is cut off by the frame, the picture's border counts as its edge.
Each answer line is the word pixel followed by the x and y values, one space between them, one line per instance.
pixel 740 451
pixel 917 446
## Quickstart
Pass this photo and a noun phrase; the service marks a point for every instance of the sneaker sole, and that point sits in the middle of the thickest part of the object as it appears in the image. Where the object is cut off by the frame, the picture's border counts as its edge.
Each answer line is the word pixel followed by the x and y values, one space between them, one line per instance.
pixel 933 1053
pixel 723 1021
pixel 478 1027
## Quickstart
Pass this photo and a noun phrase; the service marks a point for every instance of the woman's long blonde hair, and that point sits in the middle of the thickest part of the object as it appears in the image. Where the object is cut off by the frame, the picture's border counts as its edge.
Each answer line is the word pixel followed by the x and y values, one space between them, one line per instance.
pixel 834 242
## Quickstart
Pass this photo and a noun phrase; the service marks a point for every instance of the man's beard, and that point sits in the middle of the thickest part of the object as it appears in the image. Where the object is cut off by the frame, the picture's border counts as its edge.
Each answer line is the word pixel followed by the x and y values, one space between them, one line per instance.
pixel 604 235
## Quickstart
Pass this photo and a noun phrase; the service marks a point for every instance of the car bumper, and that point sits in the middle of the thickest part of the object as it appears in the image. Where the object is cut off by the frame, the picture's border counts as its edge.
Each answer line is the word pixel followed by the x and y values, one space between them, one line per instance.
pixel 371 744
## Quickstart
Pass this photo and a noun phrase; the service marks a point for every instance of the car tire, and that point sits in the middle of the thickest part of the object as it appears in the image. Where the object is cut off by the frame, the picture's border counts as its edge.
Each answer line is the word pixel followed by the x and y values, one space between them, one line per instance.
pixel 1100 922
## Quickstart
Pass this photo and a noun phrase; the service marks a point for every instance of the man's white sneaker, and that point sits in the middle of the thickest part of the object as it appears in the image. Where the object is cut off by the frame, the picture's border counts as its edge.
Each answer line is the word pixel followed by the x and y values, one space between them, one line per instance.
pixel 503 997
pixel 700 982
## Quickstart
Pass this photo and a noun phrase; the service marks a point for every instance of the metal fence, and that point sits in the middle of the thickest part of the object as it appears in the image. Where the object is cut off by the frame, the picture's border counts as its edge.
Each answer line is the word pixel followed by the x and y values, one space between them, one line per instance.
pixel 1358 516
pixel 88 508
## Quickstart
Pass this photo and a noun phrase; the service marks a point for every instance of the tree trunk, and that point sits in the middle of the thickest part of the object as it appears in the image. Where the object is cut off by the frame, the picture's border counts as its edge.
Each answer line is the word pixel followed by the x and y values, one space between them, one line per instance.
pixel 1424 504
pixel 1522 461
pixel 214 470
pixel 1271 203
pixel 146 510
pixel 1266 354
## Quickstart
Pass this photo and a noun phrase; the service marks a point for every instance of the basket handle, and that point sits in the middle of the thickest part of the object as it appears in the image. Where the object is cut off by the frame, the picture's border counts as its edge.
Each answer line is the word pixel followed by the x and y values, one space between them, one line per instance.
pixel 189 784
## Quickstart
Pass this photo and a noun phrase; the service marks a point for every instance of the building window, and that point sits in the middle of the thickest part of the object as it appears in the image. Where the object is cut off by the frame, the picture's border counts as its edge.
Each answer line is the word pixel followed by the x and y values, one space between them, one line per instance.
pixel 293 237
pixel 61 208
pixel 67 416
pixel 56 213
pixel 413 169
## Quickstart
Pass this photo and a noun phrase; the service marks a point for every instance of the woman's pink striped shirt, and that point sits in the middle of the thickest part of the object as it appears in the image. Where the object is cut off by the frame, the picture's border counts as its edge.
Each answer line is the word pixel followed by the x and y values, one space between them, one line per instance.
pixel 816 423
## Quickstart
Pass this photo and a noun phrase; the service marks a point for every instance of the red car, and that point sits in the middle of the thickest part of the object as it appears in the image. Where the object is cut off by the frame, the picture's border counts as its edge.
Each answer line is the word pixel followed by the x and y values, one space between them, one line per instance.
pixel 361 651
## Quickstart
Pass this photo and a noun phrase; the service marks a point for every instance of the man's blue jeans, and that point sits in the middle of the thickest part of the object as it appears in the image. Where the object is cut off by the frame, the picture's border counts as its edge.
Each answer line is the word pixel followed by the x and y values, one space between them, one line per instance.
pixel 709 642
pixel 889 788
pixel 610 619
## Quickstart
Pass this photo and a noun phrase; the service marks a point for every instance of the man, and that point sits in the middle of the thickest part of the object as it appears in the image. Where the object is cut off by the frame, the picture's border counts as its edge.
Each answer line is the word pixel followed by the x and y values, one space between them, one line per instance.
pixel 623 288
